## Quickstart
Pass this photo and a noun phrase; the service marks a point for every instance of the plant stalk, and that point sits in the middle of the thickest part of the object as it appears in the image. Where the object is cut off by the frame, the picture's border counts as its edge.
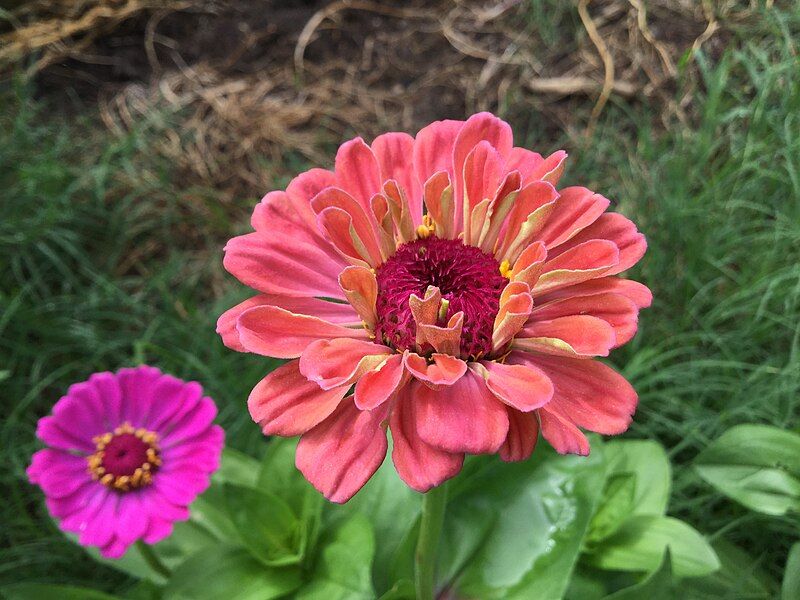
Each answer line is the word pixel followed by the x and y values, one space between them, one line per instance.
pixel 152 560
pixel 430 530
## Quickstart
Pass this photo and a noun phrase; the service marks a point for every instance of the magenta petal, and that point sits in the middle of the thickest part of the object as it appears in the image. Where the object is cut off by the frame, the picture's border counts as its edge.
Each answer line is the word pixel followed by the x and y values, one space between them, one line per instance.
pixel 172 400
pixel 191 425
pixel 157 530
pixel 340 454
pixel 136 386
pixel 58 473
pixel 132 519
pixel 49 431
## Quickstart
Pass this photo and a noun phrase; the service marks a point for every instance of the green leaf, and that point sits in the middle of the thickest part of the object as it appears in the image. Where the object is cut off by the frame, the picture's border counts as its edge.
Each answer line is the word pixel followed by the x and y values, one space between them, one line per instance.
pixel 44 591
pixel 739 576
pixel 648 463
pixel 230 573
pixel 402 590
pixel 238 468
pixel 756 465
pixel 393 509
pixel 279 476
pixel 642 540
pixel 344 567
pixel 790 590
pixel 615 506
pixel 538 510
pixel 659 585
pixel 266 525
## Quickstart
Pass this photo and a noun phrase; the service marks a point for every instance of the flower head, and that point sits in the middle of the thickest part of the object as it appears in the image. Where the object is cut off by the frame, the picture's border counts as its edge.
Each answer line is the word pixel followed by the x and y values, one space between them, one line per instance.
pixel 448 283
pixel 127 453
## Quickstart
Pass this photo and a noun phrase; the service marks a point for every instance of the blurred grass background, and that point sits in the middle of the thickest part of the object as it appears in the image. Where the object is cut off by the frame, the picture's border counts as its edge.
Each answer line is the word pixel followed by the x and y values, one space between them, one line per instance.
pixel 111 228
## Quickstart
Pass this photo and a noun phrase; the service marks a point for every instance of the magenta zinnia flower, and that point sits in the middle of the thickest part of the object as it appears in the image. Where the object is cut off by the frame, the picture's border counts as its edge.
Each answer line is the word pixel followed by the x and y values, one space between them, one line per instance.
pixel 447 279
pixel 128 452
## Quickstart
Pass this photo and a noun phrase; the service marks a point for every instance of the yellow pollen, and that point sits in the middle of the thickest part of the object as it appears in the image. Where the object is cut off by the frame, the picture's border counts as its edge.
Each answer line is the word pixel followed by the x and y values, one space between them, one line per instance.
pixel 505 269
pixel 427 228
pixel 142 475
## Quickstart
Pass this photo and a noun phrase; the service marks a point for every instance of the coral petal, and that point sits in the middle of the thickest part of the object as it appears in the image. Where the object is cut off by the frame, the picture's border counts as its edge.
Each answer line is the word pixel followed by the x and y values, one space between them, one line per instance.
pixel 463 417
pixel 421 465
pixel 273 331
pixel 340 454
pixel 286 403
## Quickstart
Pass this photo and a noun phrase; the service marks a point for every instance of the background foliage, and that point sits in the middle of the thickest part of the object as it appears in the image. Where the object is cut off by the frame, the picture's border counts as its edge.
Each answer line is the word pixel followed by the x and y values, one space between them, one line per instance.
pixel 110 239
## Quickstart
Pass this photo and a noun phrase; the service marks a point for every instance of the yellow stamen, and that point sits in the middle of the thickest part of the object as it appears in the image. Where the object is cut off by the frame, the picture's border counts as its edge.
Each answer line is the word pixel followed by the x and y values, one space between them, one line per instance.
pixel 142 475
pixel 427 228
pixel 505 269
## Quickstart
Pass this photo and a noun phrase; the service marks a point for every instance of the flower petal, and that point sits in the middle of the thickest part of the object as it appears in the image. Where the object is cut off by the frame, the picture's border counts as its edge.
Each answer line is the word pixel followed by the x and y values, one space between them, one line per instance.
pixel 581 263
pixel 593 395
pixel 515 307
pixel 575 209
pixel 340 361
pixel 575 335
pixel 523 431
pixel 530 212
pixel 440 205
pixel 483 168
pixel 395 155
pixel 523 387
pixel 463 417
pixel 433 149
pixel 618 229
pixel 340 454
pixel 361 232
pixel 479 127
pixel 286 403
pixel 361 289
pixel 615 309
pixel 273 331
pixel 275 265
pixel 333 312
pixel 550 169
pixel 421 465
pixel 445 370
pixel 378 385
pixel 638 293
pixel 357 171
pixel 560 431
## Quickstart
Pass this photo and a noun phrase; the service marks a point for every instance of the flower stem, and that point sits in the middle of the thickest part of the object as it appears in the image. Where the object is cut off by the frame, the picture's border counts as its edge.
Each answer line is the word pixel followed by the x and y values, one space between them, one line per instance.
pixel 152 560
pixel 433 505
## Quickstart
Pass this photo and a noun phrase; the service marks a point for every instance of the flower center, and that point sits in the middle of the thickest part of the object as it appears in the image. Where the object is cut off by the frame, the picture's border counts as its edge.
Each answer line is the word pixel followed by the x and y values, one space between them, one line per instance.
pixel 468 278
pixel 125 458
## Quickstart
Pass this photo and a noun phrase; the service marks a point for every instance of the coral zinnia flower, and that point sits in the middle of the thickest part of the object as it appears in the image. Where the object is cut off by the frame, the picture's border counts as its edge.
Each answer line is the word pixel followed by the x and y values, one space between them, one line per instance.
pixel 447 279
pixel 128 452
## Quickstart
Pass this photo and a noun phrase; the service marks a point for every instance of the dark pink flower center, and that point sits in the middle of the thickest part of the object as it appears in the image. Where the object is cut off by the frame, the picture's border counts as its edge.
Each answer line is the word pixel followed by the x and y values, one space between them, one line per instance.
pixel 468 278
pixel 124 454
pixel 125 458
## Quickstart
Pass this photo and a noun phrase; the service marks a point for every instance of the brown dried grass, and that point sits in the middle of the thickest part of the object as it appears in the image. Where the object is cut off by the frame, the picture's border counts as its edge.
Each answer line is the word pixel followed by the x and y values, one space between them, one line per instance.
pixel 299 79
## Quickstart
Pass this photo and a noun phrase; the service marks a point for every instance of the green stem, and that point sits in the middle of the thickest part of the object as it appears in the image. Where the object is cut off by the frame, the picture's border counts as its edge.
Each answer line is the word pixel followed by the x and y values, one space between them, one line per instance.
pixel 152 559
pixel 430 529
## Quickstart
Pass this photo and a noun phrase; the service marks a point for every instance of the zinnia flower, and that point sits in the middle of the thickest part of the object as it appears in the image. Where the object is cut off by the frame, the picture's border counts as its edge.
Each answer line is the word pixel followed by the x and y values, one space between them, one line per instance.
pixel 448 283
pixel 128 452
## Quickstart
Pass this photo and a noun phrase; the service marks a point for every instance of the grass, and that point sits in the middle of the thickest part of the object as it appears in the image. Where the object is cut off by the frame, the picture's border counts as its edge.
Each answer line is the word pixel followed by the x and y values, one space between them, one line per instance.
pixel 107 259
